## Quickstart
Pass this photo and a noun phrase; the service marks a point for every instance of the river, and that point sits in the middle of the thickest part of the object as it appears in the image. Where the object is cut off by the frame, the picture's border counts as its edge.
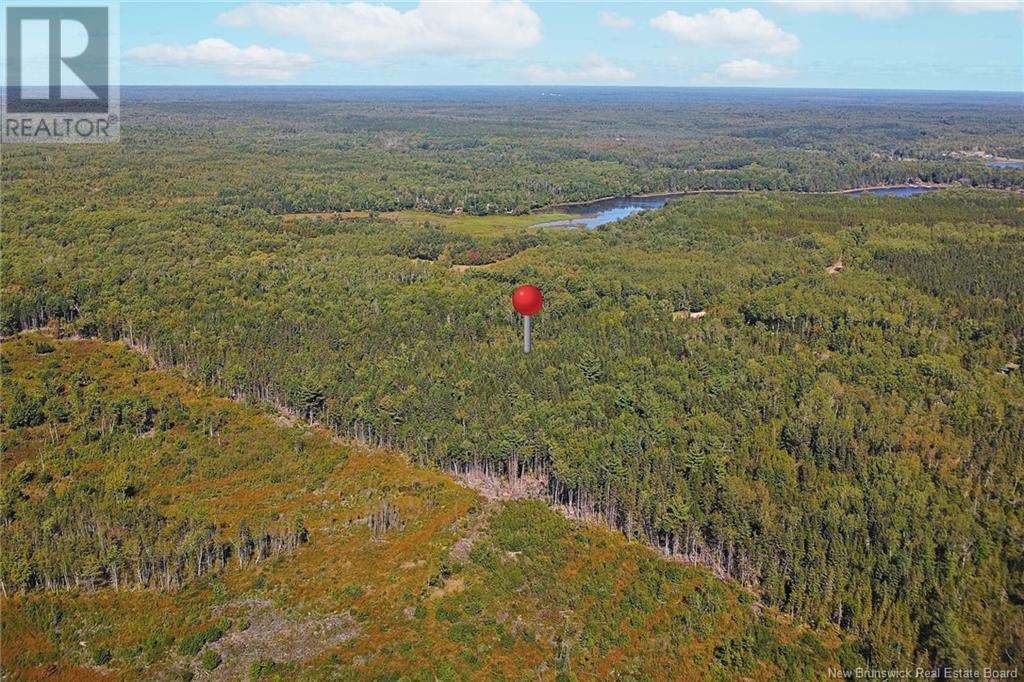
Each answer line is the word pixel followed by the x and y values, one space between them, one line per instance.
pixel 603 211
pixel 596 213
pixel 898 191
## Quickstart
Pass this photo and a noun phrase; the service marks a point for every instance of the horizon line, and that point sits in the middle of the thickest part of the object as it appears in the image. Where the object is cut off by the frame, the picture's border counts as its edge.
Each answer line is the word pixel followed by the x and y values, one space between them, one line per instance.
pixel 565 85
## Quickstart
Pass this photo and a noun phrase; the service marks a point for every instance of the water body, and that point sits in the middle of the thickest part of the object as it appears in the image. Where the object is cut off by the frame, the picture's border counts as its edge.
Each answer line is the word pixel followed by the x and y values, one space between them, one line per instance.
pixel 597 213
pixel 907 191
pixel 1005 164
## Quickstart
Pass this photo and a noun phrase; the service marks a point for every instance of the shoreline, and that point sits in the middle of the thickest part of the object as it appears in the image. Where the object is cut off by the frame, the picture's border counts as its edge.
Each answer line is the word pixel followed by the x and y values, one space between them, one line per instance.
pixel 647 195
pixel 553 208
pixel 906 185
pixel 579 220
pixel 924 185
pixel 691 192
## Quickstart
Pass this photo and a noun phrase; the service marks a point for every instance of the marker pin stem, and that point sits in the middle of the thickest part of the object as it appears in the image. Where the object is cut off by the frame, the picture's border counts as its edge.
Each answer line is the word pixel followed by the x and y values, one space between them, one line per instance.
pixel 527 325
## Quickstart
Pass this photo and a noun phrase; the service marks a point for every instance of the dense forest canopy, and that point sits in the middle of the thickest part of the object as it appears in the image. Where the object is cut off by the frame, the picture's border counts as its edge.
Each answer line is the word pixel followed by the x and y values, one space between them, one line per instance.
pixel 843 441
pixel 496 150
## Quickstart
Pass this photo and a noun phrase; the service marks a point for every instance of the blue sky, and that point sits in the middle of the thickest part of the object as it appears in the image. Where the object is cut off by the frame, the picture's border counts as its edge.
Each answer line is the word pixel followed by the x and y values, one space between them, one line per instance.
pixel 904 44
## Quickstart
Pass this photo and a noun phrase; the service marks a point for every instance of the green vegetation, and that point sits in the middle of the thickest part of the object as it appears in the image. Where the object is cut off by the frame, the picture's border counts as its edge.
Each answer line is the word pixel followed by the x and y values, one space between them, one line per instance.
pixel 211 659
pixel 509 150
pixel 471 586
pixel 190 645
pixel 841 442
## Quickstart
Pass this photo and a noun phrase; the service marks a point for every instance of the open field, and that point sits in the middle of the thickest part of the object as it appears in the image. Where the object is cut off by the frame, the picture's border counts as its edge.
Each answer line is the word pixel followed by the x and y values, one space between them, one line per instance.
pixel 478 226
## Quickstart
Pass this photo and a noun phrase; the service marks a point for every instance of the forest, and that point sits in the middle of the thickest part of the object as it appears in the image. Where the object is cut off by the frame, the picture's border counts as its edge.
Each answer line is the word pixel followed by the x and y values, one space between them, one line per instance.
pixel 167 533
pixel 509 150
pixel 841 443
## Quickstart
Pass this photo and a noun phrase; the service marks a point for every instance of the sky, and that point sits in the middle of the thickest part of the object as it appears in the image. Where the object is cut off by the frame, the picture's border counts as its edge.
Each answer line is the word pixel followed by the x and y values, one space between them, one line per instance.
pixel 893 44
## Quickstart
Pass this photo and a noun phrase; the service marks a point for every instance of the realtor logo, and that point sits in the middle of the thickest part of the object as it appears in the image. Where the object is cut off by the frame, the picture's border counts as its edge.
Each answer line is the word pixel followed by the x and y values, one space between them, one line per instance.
pixel 60 84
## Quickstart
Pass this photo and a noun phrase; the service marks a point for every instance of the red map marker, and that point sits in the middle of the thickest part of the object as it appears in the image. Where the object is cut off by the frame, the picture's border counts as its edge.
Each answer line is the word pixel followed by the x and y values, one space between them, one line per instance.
pixel 527 300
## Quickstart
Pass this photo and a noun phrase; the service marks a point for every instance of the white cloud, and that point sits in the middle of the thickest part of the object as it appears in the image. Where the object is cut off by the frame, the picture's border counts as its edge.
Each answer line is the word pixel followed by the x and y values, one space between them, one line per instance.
pixel 363 32
pixel 873 9
pixel 744 71
pixel 889 9
pixel 594 70
pixel 232 61
pixel 976 6
pixel 746 29
pixel 615 20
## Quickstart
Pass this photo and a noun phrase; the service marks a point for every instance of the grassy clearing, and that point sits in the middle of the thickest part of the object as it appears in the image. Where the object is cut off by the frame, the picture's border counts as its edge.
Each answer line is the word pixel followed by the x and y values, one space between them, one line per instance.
pixel 478 226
